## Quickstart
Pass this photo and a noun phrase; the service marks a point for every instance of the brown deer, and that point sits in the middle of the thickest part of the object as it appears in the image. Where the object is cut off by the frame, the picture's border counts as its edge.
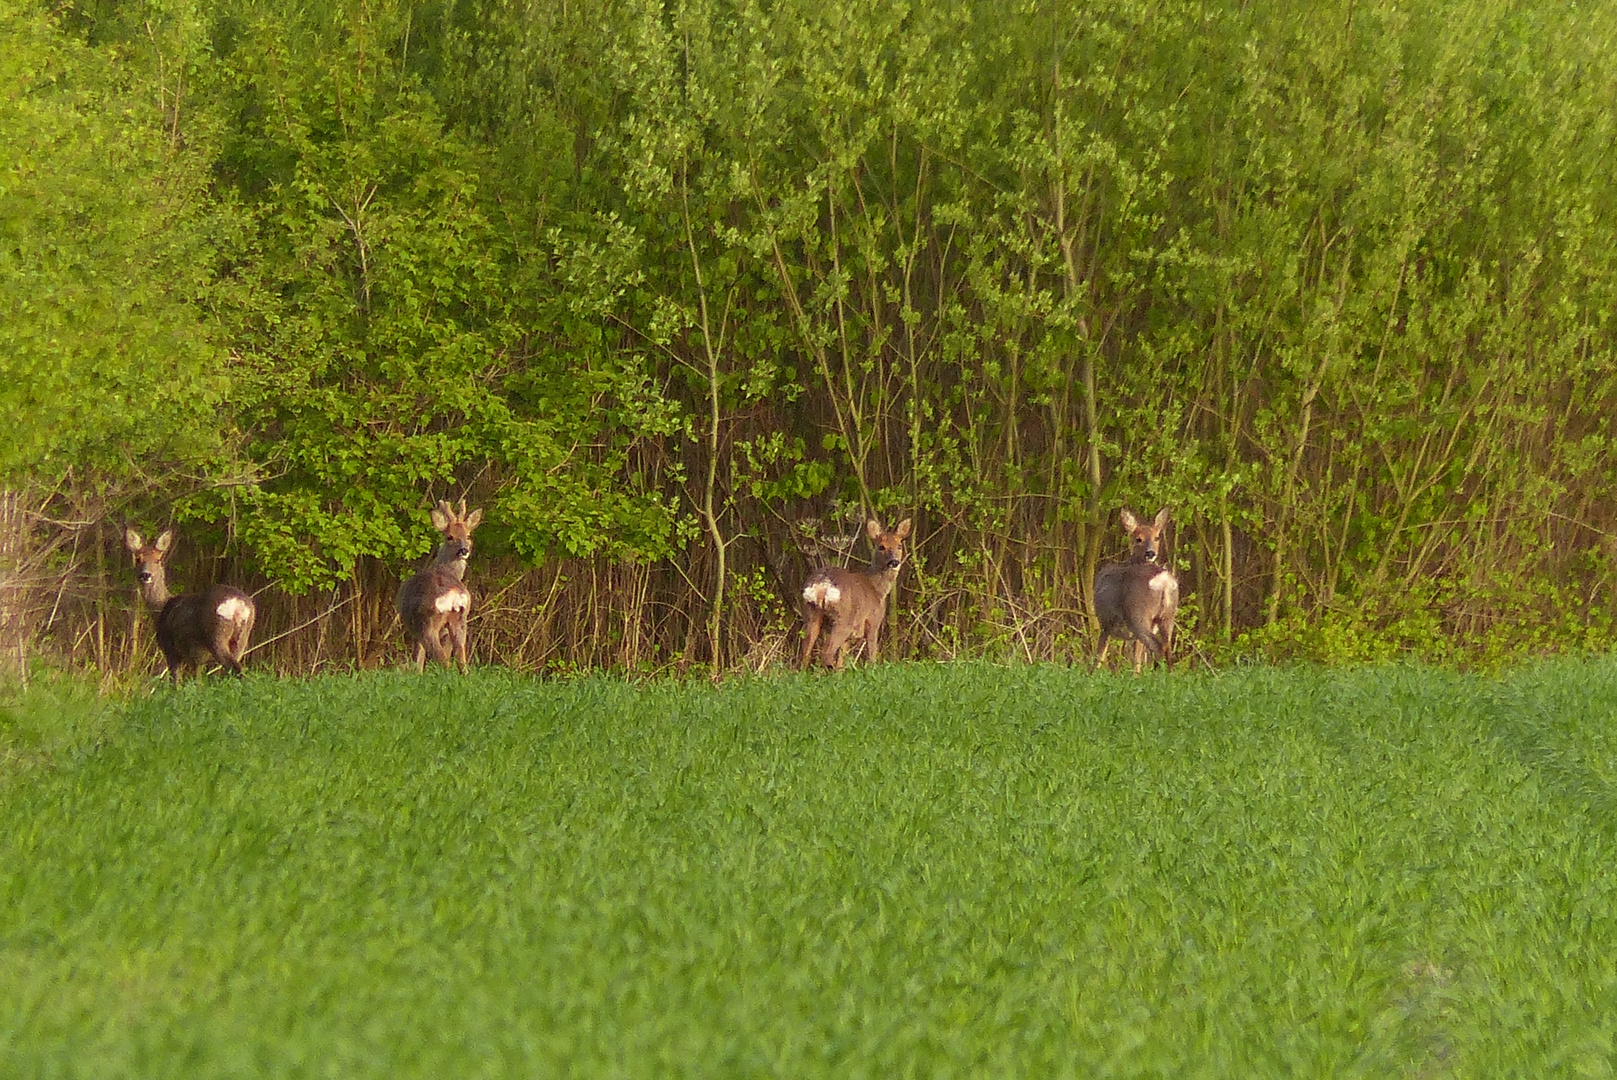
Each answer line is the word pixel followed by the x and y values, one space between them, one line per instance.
pixel 1138 597
pixel 195 627
pixel 854 600
pixel 436 603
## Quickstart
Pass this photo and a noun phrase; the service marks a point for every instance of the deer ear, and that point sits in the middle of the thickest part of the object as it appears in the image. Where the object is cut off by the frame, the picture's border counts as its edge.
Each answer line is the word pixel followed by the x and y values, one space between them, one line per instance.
pixel 132 539
pixel 1162 519
pixel 165 541
pixel 474 519
pixel 873 529
pixel 1129 521
pixel 440 520
pixel 903 529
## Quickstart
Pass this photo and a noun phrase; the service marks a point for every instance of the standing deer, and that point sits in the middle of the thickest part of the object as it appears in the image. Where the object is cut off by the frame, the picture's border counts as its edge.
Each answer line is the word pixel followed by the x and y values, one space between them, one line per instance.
pixel 436 602
pixel 1138 597
pixel 854 600
pixel 195 627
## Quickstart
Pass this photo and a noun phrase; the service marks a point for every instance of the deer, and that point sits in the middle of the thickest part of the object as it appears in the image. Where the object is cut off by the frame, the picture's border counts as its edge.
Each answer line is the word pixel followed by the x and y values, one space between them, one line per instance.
pixel 1138 597
pixel 435 602
pixel 193 627
pixel 854 600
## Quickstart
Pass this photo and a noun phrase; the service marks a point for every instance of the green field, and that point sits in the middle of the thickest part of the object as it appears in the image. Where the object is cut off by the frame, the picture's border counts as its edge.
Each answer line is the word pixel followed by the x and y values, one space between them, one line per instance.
pixel 960 870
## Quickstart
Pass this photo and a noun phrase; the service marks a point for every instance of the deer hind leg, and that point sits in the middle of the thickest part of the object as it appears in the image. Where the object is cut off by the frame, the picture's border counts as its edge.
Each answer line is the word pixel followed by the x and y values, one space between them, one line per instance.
pixel 433 641
pixel 457 635
pixel 813 617
pixel 831 652
pixel 1145 640
pixel 1166 626
pixel 227 650
pixel 1100 650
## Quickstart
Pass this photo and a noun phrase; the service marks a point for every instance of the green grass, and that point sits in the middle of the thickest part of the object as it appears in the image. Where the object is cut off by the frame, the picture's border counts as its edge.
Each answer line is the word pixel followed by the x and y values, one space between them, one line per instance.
pixel 53 716
pixel 913 870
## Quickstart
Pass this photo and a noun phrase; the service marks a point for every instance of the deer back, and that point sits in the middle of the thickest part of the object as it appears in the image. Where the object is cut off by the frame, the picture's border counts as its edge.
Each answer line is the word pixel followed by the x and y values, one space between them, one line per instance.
pixel 860 596
pixel 1135 593
pixel 215 622
pixel 1139 588
pixel 440 591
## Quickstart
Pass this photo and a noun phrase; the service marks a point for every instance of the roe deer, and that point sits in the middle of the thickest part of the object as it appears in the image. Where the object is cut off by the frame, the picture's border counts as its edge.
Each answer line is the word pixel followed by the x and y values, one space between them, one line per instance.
pixel 854 600
pixel 1138 597
pixel 195 627
pixel 436 601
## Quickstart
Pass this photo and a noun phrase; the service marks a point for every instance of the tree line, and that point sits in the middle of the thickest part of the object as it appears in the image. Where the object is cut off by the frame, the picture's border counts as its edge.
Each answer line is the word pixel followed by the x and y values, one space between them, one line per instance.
pixel 683 291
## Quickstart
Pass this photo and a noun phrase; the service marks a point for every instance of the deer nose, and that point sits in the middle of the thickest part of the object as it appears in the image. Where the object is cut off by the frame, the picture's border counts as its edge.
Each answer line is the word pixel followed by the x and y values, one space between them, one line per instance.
pixel 144 577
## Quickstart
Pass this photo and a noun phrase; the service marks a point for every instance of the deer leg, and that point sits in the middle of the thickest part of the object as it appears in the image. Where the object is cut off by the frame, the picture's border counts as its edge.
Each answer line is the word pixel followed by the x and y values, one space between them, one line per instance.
pixel 1145 640
pixel 224 653
pixel 457 632
pixel 812 618
pixel 1100 652
pixel 432 642
pixel 831 653
pixel 173 661
pixel 420 660
pixel 1167 642
pixel 872 629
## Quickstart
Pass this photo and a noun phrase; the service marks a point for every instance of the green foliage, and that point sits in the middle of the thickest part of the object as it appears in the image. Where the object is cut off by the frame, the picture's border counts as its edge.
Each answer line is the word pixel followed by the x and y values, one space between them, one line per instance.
pixel 1333 280
pixel 106 365
pixel 940 869
pixel 391 337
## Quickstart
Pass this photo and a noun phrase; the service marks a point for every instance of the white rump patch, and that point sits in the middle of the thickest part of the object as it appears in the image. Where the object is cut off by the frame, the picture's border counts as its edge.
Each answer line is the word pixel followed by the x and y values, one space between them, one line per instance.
pixel 235 610
pixel 453 600
pixel 1164 583
pixel 821 593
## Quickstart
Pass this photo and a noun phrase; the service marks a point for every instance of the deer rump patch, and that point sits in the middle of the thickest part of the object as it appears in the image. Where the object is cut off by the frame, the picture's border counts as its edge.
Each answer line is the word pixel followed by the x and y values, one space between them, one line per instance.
pixel 235 609
pixel 821 593
pixel 453 600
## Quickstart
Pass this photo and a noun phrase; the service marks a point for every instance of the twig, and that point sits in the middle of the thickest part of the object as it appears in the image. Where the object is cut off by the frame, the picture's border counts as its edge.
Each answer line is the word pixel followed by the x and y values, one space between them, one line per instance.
pixel 332 610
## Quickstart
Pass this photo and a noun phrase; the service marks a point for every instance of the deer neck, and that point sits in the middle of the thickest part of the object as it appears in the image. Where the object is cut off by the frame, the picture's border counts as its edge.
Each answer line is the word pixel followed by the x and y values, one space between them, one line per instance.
pixel 155 592
pixel 882 580
pixel 455 563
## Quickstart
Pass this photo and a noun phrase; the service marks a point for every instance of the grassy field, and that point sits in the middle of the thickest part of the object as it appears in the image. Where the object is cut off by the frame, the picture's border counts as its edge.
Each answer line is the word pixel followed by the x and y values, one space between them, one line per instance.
pixel 908 871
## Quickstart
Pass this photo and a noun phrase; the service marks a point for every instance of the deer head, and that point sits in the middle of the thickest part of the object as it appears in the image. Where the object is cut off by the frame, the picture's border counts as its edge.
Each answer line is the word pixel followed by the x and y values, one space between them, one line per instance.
pixel 149 563
pixel 888 547
pixel 456 526
pixel 1145 541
